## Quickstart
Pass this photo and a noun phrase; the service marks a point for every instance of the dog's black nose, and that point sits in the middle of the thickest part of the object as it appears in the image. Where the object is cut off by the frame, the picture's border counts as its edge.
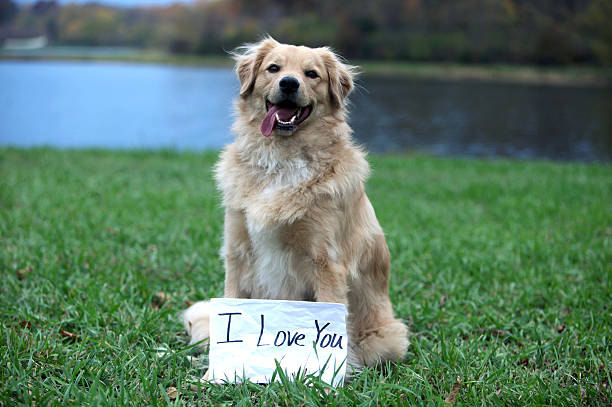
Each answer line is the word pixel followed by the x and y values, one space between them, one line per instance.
pixel 289 84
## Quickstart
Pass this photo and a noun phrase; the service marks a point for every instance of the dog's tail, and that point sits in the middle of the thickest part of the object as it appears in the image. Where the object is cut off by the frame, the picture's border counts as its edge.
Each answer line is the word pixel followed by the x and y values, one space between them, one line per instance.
pixel 197 323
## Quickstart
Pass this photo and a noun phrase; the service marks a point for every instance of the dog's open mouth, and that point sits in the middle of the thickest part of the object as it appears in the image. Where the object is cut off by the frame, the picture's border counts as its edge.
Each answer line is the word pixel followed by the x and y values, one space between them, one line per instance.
pixel 284 116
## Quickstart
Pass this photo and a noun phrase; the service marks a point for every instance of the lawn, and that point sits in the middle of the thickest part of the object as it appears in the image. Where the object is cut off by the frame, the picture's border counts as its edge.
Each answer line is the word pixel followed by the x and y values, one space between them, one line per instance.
pixel 502 269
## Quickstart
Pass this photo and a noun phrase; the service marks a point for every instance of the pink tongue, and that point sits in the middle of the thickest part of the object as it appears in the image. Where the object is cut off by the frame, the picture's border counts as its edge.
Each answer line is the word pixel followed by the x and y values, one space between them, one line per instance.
pixel 284 113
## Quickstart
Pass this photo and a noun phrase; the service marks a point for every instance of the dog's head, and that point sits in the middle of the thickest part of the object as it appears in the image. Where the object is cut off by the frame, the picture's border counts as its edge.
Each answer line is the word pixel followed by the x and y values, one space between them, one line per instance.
pixel 288 87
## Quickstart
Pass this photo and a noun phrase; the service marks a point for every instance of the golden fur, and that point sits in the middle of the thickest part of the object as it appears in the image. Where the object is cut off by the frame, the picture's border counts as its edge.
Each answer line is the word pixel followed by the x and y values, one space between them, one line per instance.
pixel 298 223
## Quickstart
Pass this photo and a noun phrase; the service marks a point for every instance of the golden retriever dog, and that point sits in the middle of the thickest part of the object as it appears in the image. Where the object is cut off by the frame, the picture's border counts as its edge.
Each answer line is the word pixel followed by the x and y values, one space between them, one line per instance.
pixel 298 223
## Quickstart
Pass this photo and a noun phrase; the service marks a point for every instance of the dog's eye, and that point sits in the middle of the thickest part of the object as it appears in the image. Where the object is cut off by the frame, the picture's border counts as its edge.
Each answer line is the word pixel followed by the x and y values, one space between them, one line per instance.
pixel 273 68
pixel 312 74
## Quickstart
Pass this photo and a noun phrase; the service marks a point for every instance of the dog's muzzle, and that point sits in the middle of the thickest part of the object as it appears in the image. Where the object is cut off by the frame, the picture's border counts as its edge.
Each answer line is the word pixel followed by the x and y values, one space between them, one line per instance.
pixel 284 115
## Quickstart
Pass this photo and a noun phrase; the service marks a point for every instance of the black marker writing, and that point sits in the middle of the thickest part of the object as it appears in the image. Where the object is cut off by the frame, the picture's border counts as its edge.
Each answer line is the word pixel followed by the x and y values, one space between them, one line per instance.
pixel 289 338
pixel 261 333
pixel 296 339
pixel 229 322
pixel 333 341
pixel 319 330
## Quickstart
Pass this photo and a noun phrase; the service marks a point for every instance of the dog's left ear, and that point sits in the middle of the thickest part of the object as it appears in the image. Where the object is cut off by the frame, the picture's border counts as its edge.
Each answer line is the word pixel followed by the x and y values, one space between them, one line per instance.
pixel 248 61
pixel 340 77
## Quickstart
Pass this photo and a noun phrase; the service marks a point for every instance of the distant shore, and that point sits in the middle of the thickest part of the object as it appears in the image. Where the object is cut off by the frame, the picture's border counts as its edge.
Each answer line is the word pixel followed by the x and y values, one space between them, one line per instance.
pixel 526 74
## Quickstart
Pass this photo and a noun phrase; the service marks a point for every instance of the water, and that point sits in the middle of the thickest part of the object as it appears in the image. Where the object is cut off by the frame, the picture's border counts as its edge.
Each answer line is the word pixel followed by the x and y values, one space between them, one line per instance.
pixel 470 118
pixel 79 104
pixel 114 105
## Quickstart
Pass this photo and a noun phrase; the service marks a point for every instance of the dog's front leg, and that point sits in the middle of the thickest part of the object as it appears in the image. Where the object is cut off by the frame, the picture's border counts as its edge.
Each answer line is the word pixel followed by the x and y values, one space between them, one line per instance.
pixel 332 286
pixel 237 253
pixel 236 250
pixel 331 282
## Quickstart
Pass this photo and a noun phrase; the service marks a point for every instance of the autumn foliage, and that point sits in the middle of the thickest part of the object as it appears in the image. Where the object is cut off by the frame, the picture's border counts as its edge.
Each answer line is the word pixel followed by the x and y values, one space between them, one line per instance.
pixel 512 31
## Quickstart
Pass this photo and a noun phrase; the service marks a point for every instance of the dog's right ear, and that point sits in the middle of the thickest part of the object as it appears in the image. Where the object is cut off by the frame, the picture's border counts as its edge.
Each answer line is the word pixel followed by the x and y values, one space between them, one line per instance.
pixel 248 61
pixel 340 77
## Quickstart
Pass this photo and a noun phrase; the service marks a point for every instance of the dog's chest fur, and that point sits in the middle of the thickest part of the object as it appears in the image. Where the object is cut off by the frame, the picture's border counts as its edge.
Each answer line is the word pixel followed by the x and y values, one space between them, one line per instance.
pixel 272 264
pixel 274 273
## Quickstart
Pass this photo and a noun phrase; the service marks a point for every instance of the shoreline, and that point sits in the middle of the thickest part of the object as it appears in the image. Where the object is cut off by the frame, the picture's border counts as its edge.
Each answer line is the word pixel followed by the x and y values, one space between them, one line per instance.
pixel 501 73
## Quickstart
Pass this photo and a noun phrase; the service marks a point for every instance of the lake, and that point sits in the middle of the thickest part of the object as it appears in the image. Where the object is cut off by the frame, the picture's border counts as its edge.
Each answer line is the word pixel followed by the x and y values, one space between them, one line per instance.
pixel 123 105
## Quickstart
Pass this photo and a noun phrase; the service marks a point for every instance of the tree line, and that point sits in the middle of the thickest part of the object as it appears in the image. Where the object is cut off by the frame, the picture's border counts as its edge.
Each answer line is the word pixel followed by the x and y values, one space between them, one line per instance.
pixel 468 31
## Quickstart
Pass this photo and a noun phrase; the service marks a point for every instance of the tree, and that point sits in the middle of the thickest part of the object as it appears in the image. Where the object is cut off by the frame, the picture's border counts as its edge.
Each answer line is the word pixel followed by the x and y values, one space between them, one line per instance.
pixel 8 9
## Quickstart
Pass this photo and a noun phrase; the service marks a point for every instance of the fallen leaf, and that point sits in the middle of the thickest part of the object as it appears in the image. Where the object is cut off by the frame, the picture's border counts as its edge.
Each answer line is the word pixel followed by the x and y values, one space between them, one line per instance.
pixel 172 393
pixel 23 273
pixel 451 398
pixel 160 299
pixel 68 334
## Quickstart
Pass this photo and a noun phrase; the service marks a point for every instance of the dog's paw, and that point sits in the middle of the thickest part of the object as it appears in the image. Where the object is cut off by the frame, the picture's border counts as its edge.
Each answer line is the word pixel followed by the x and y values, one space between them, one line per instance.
pixel 197 322
pixel 387 342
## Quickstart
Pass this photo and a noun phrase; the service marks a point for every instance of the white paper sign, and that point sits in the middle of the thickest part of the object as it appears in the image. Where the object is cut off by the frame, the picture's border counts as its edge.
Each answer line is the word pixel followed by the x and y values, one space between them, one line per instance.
pixel 248 336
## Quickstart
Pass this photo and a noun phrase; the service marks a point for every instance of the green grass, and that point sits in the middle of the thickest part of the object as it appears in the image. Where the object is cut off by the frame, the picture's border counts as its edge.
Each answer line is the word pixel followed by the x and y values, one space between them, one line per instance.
pixel 502 269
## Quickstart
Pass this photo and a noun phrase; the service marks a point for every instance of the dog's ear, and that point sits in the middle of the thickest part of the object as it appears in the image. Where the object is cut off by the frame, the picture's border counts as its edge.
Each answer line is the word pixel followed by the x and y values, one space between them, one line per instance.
pixel 248 61
pixel 340 77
